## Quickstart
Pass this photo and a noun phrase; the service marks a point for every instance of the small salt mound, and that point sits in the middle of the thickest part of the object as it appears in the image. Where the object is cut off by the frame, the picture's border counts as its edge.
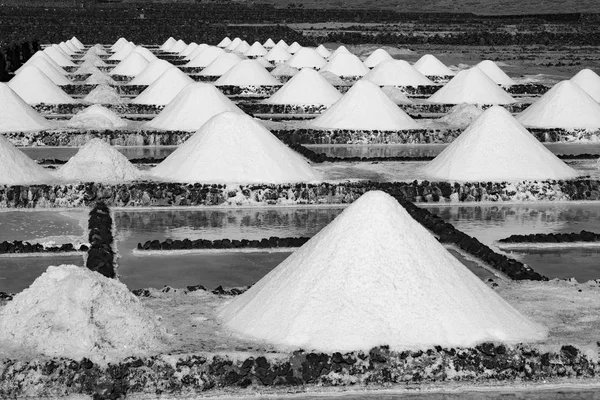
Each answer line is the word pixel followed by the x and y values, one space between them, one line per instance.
pixel 373 277
pixel 247 73
pixel 18 116
pixel 307 58
pixel 377 57
pixel 284 70
pixel 462 115
pixel 269 44
pixel 497 148
pixel 264 62
pixel 66 49
pixel 589 81
pixel 148 55
pixel 340 50
pixel 98 161
pixel 56 76
pixel 205 57
pixel 18 169
pixel 234 148
pixel 96 117
pixel 170 42
pixel 33 86
pixel 242 47
pixel 308 87
pixel 103 94
pixel 256 50
pixel 193 106
pixel 221 65
pixel 94 59
pixel 198 50
pixel 124 50
pixel 346 65
pixel 72 312
pixel 224 43
pixel 471 86
pixel 495 73
pixel 41 55
pixel 165 88
pixel 294 47
pixel 99 78
pixel 97 50
pixel 283 44
pixel 566 106
pixel 88 67
pixel 322 50
pixel 396 95
pixel 364 107
pixel 234 43
pixel 77 43
pixel 333 79
pixel 189 49
pixel 55 54
pixel 131 65
pixel 429 65
pixel 118 44
pixel 178 46
pixel 151 73
pixel 396 73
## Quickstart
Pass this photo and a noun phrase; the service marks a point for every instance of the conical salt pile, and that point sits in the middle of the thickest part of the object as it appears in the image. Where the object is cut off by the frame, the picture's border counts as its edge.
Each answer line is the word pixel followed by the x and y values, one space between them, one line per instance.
pixel 224 43
pixel 333 79
pixel 374 277
pixel 131 65
pixel 308 87
pixel 198 50
pixel 99 78
pixel 178 46
pixel 429 65
pixel 269 44
pixel 340 50
pixel 377 57
pixel 497 148
pixel 396 95
pixel 234 148
pixel 471 86
pixel 56 76
pixel 566 106
pixel 495 73
pixel 96 117
pixel 98 161
pixel 205 57
pixel 33 61
pixel 148 55
pixel 124 50
pixel 242 47
pixel 256 50
pixel 247 73
pixel 346 65
pixel 170 42
pixel 193 106
pixel 189 49
pixel 55 54
pixel 264 62
pixel 118 44
pixel 151 73
pixel 91 58
pixel 33 86
pixel 18 116
pixel 589 81
pixel 283 44
pixel 165 88
pixel 221 64
pixel 69 51
pixel 18 169
pixel 294 48
pixel 307 58
pixel 97 49
pixel 461 115
pixel 87 67
pixel 72 312
pixel 396 73
pixel 364 107
pixel 234 43
pixel 77 43
pixel 322 50
pixel 103 94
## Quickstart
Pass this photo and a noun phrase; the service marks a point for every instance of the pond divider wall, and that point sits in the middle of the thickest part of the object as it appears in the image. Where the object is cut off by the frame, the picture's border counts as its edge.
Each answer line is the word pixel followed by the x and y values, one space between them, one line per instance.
pixel 186 244
pixel 101 256
pixel 573 237
pixel 21 247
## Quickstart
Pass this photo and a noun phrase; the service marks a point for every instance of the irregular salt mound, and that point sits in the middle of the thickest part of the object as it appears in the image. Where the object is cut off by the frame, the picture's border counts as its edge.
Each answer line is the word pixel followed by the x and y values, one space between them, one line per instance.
pixel 99 78
pixel 221 64
pixel 346 65
pixel 96 117
pixel 308 87
pixel 205 57
pixel 247 73
pixel 462 115
pixel 193 106
pixel 566 106
pixel 424 296
pixel 18 116
pixel 104 94
pixel 131 65
pixel 264 62
pixel 333 79
pixel 589 81
pixel 396 95
pixel 495 73
pixel 284 70
pixel 33 86
pixel 322 50
pixel 151 73
pixel 307 58
pixel 165 88
pixel 429 65
pixel 18 169
pixel 396 73
pixel 98 161
pixel 377 57
pixel 471 86
pixel 234 148
pixel 497 148
pixel 364 107
pixel 94 59
pixel 73 312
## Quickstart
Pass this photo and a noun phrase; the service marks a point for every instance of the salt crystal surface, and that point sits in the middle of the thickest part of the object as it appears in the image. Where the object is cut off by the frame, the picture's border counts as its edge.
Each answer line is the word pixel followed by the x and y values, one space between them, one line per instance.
pixel 104 94
pixel 205 57
pixel 333 79
pixel 308 87
pixel 461 115
pixel 88 67
pixel 307 58
pixel 496 74
pixel 18 169
pixel 148 55
pixel 117 45
pixel 165 88
pixel 345 64
pixel 429 65
pixel 396 73
pixel 589 81
pixel 471 86
pixel 377 57
pixel 284 70
pixel 131 65
pixel 223 63
pixel 96 117
pixel 151 73
pixel 247 73
pixel 189 49
pixel 264 62
pixel 18 116
pixel 33 86
pixel 197 51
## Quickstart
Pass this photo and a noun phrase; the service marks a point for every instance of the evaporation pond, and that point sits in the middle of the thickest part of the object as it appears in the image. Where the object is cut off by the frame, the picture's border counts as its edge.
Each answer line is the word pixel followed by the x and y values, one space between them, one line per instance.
pixel 17 273
pixel 65 226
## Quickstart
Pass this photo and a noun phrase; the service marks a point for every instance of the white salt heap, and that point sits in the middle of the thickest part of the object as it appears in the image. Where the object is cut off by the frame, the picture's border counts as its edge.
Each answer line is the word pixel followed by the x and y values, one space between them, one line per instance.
pixel 364 107
pixel 461 115
pixel 471 86
pixel 307 58
pixel 103 94
pixel 94 59
pixel 197 51
pixel 495 73
pixel 234 148
pixel 56 75
pixel 178 46
pixel 396 95
pixel 377 57
pixel 247 73
pixel 566 106
pixel 264 62
pixel 429 65
pixel 308 87
pixel 170 42
pixel 589 81
pixel 41 55
pixel 59 57
pixel 284 70
pixel 131 65
pixel 347 65
pixel 322 50
pixel 87 67
pixel 117 45
pixel 294 47
pixel 18 169
pixel 148 55
pixel 269 44
pixel 497 148
pixel 373 277
pixel 278 54
pixel 165 88
pixel 99 78
pixel 96 117
pixel 205 57
pixel 283 44
pixel 193 106
pixel 225 42
pixel 151 73
pixel 333 79
pixel 124 50
pixel 98 161
pixel 256 50
pixel 397 73
pixel 242 47
pixel 189 49
pixel 18 116
pixel 33 86
pixel 72 312
pixel 234 43
pixel 223 63
pixel 340 50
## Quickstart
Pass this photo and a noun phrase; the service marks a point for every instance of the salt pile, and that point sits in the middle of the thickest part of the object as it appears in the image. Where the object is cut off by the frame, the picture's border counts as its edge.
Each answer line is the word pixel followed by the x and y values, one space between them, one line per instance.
pixel 131 65
pixel 118 44
pixel 308 87
pixel 333 79
pixel 224 43
pixel 41 55
pixel 429 65
pixel 278 54
pixel 396 73
pixel 234 148
pixel 18 116
pixel 77 43
pixel 401 288
pixel 103 94
pixel 283 44
pixel 193 106
pixel 72 312
pixel 294 47
pixel 497 148
pixel 170 42
pixel 247 73
pixel 96 117
pixel 377 57
pixel 221 64
pixel 99 78
pixel 97 50
pixel 189 49
pixel 322 50
pixel 589 81
pixel 148 55
pixel 33 86
pixel 495 73
pixel 124 50
pixel 98 161
pixel 566 106
pixel 396 95
pixel 165 88
pixel 307 58
pixel 346 65
pixel 471 86
pixel 234 43
pixel 205 57
pixel 151 73
pixel 178 46
pixel 269 44
pixel 264 62
pixel 242 47
pixel 69 51
pixel 56 76
pixel 94 59
pixel 87 67
pixel 284 70
pixel 61 59
pixel 364 107
pixel 18 169
pixel 461 115
pixel 340 50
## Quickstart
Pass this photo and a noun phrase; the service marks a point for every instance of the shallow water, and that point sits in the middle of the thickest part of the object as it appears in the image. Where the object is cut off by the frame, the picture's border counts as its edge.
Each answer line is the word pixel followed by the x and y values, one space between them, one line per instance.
pixel 35 225
pixel 64 153
pixel 17 273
